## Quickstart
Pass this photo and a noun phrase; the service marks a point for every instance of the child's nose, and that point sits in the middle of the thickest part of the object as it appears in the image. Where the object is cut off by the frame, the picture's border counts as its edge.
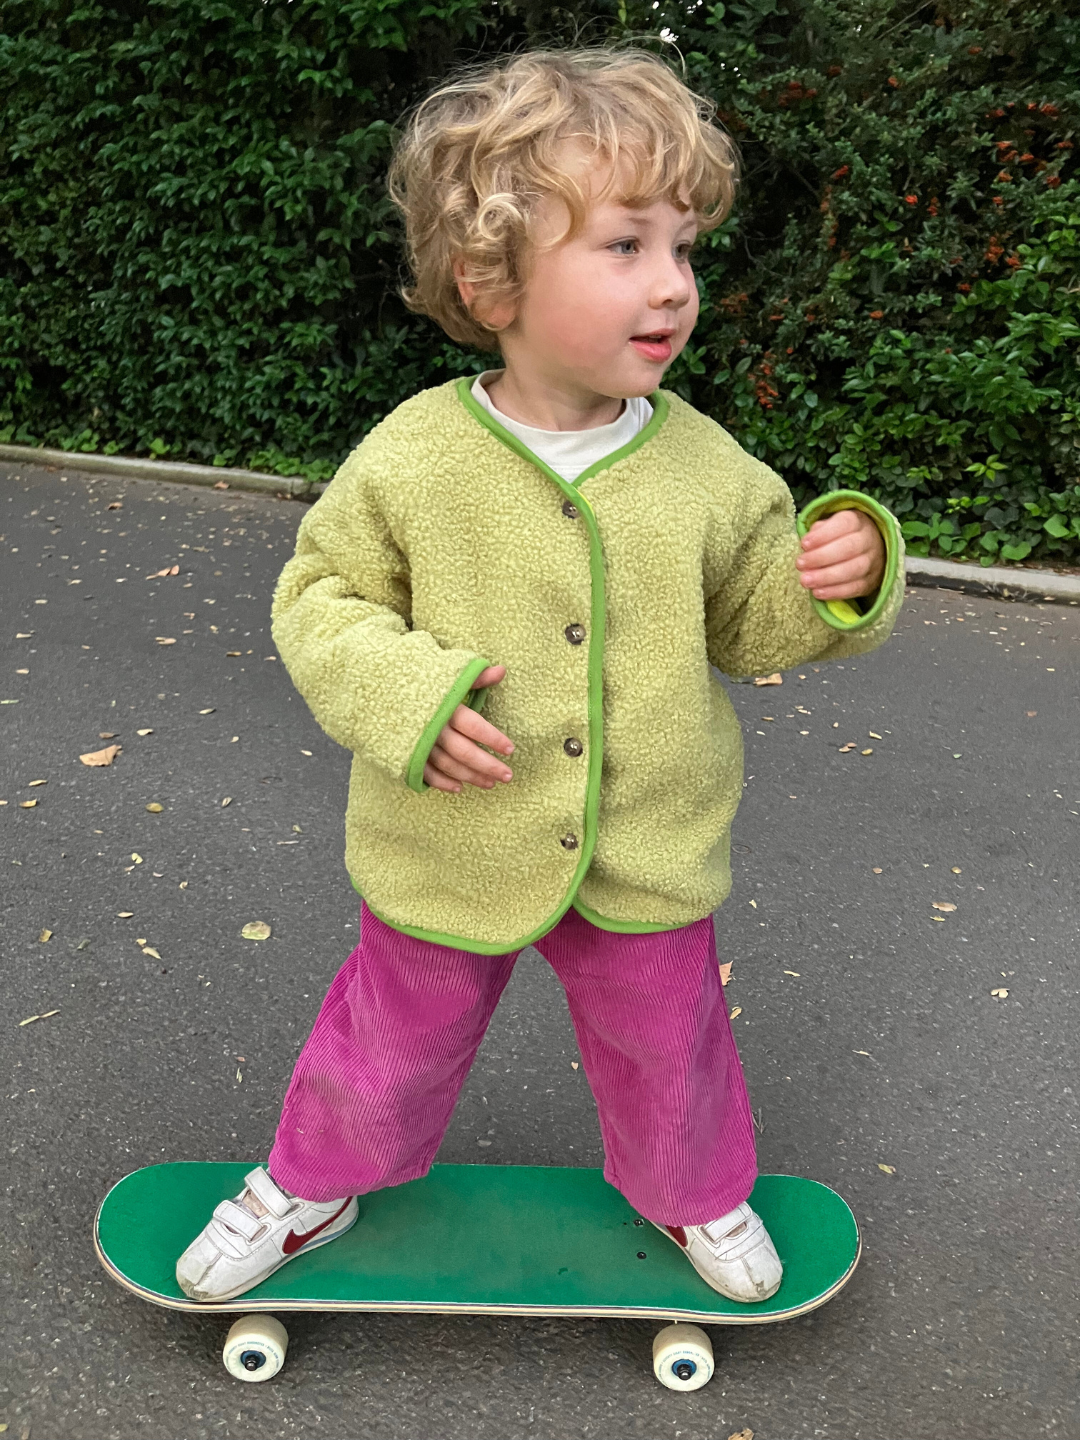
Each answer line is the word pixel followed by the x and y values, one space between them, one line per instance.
pixel 672 285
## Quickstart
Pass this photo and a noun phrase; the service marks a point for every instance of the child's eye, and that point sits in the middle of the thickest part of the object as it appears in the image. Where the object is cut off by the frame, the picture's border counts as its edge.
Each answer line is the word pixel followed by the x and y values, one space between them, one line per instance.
pixel 624 247
pixel 684 252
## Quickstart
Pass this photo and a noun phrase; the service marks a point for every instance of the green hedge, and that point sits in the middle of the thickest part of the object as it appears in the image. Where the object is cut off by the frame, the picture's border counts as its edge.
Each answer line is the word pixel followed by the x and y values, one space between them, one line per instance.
pixel 198 260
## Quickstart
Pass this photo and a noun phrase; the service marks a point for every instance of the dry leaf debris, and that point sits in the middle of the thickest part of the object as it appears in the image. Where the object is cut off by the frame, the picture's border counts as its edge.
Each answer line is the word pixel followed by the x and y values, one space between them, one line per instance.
pixel 256 930
pixel 775 679
pixel 101 757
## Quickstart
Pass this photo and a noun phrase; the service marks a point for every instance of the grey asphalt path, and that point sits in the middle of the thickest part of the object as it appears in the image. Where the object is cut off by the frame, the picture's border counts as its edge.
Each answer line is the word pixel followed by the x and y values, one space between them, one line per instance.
pixel 886 1048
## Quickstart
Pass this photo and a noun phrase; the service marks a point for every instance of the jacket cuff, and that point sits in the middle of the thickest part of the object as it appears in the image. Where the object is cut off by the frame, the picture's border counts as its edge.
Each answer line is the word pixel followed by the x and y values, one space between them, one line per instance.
pixel 862 611
pixel 460 693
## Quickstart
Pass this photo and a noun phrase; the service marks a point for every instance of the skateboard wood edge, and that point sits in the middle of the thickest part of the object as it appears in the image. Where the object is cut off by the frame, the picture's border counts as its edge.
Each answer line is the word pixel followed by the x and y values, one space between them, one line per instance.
pixel 246 1305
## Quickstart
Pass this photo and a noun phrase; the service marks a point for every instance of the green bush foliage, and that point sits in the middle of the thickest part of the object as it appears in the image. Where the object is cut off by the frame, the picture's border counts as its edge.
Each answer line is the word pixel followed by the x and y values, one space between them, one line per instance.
pixel 198 259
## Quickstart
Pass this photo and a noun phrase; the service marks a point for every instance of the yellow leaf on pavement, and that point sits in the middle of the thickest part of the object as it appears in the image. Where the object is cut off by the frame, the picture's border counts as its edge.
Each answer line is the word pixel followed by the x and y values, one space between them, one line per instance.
pixel 144 732
pixel 155 808
pixel 137 858
pixel 737 1011
pixel 165 639
pixel 27 804
pixel 945 905
pixel 101 757
pixel 889 1169
pixel 775 679
pixel 45 935
pixel 1001 994
pixel 256 930
pixel 149 950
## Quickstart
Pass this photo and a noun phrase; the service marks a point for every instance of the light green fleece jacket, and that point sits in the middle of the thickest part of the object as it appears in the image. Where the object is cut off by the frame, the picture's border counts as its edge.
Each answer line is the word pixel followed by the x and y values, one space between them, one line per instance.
pixel 443 546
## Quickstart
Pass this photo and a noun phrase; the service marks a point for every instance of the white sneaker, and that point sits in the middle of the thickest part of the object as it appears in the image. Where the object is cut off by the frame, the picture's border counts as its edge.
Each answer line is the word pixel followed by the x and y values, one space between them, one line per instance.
pixel 252 1236
pixel 733 1254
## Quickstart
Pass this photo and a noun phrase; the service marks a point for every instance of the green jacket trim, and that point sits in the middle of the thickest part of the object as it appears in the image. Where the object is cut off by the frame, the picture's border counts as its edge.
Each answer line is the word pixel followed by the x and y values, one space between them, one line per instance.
pixel 659 415
pixel 623 927
pixel 596 619
pixel 462 693
pixel 861 612
pixel 602 922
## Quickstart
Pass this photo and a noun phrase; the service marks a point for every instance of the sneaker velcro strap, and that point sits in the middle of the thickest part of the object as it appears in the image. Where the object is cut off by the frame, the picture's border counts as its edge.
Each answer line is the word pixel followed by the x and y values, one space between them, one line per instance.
pixel 239 1219
pixel 260 1184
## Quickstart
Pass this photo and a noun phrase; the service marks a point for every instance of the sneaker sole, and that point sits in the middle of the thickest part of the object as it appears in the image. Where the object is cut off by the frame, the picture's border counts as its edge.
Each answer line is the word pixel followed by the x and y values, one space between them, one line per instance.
pixel 738 1299
pixel 251 1284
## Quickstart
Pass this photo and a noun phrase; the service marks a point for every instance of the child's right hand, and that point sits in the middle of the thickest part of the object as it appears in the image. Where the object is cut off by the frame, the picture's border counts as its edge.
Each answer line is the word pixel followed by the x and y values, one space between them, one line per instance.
pixel 456 756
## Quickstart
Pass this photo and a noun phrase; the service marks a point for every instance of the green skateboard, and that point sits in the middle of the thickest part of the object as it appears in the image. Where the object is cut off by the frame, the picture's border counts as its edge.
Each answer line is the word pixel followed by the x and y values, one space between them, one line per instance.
pixel 481 1240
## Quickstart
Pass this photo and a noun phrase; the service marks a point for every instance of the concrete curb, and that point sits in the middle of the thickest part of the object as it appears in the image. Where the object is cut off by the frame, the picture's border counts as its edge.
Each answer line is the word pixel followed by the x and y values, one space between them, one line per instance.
pixel 169 472
pixel 1009 584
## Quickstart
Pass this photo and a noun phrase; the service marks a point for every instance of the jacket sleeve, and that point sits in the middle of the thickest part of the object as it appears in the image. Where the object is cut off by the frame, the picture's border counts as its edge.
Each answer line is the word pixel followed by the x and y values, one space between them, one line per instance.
pixel 759 617
pixel 342 623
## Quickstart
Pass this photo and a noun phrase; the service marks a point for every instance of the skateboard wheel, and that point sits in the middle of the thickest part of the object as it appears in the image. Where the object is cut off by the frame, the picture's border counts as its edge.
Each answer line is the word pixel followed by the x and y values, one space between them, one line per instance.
pixel 682 1357
pixel 255 1347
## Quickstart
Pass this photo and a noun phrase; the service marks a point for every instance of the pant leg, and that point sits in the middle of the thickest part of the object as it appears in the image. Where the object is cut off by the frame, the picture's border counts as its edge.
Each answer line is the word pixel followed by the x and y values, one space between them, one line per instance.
pixel 658 1051
pixel 376 1083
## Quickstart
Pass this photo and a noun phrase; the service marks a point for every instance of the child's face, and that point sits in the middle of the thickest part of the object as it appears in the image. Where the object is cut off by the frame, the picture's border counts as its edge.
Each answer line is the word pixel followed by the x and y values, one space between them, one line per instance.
pixel 607 311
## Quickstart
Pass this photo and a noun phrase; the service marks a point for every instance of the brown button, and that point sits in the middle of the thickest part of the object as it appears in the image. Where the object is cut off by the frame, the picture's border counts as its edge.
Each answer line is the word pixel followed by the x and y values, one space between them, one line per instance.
pixel 575 634
pixel 570 510
pixel 569 842
pixel 573 746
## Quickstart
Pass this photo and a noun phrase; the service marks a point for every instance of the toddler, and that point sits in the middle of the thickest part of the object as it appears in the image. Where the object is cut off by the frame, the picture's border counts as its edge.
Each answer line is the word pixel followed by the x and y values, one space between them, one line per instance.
pixel 544 562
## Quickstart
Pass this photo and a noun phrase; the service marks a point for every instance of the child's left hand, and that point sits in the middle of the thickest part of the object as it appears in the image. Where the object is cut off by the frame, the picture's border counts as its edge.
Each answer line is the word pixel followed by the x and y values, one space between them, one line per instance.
pixel 843 556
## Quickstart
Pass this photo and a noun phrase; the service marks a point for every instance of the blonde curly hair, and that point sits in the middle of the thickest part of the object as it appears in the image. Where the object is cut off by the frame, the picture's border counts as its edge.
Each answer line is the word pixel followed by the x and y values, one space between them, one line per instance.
pixel 480 153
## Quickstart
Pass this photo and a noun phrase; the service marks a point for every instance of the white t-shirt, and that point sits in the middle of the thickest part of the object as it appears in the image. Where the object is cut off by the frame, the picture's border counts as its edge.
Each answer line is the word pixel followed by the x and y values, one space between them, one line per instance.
pixel 569 452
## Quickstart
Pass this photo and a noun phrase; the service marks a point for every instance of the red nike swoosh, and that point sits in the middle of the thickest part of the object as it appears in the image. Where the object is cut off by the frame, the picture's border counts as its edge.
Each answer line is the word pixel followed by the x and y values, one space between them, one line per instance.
pixel 294 1242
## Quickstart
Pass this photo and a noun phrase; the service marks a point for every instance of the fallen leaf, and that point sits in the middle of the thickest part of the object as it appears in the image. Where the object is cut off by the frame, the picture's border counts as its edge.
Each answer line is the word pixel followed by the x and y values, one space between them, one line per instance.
pixel 940 919
pixel 144 732
pixel 234 652
pixel 114 505
pixel 877 869
pixel 793 972
pixel 149 950
pixel 174 571
pixel 137 858
pixel 863 1052
pixel 746 1434
pixel 38 782
pixel 1031 713
pixel 1001 994
pixel 155 808
pixel 107 734
pixel 124 914
pixel 165 639
pixel 45 935
pixel 256 930
pixel 945 905
pixel 889 1169
pixel 207 712
pixel 873 735
pixel 775 679
pixel 956 870
pixel 221 485
pixel 735 1012
pixel 573 1064
pixel 305 752
pixel 725 972
pixel 867 752
pixel 845 748
pixel 754 904
pixel 226 801
pixel 101 757
pixel 31 1018
pixel 27 804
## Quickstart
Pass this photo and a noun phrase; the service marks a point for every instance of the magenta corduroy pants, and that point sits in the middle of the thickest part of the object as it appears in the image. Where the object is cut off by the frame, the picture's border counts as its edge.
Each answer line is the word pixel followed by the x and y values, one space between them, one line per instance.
pixel 377 1080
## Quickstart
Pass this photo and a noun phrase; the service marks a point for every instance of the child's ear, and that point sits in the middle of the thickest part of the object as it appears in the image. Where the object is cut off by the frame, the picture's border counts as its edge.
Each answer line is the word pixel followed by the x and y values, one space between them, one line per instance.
pixel 493 314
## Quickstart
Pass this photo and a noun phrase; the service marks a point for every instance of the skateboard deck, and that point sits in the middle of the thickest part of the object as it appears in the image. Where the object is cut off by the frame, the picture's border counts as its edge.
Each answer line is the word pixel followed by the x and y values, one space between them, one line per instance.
pixel 481 1239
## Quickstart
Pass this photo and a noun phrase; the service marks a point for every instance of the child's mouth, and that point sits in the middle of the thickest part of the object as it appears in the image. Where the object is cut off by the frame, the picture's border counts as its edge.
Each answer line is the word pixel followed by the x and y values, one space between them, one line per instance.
pixel 654 346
